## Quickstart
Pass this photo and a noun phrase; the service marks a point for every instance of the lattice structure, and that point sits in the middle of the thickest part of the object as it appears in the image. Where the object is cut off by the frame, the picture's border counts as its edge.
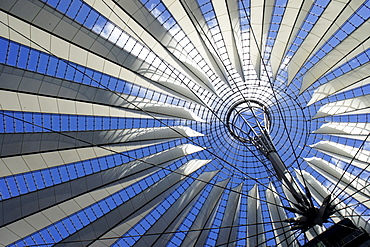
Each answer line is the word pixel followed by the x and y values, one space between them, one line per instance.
pixel 123 121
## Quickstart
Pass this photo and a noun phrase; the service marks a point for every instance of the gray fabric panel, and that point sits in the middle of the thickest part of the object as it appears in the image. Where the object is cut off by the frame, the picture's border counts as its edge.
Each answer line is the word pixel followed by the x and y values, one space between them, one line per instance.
pixel 205 217
pixel 141 202
pixel 20 80
pixel 47 18
pixel 139 13
pixel 77 34
pixel 254 218
pixel 230 218
pixel 27 204
pixel 27 143
pixel 173 217
pixel 32 82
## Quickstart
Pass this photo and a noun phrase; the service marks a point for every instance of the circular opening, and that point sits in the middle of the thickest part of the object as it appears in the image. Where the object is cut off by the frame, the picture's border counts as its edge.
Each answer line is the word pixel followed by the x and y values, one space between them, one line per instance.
pixel 247 120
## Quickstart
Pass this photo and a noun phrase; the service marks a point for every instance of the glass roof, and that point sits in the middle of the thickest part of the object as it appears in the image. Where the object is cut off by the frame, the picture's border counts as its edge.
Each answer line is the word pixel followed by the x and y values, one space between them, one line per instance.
pixel 115 120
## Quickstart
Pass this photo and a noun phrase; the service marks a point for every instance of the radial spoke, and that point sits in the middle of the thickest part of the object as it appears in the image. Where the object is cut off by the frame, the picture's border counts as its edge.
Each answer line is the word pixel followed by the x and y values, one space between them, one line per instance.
pixel 162 122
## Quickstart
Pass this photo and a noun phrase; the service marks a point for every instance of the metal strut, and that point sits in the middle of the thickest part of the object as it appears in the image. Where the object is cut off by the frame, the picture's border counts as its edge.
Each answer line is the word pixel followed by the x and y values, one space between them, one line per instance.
pixel 249 122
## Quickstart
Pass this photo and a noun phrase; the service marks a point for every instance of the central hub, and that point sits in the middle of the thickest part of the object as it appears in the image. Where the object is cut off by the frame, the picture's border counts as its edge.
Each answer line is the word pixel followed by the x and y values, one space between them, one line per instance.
pixel 248 120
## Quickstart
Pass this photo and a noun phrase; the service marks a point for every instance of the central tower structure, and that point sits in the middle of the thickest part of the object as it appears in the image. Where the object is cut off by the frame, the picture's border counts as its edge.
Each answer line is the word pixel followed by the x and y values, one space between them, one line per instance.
pixel 250 122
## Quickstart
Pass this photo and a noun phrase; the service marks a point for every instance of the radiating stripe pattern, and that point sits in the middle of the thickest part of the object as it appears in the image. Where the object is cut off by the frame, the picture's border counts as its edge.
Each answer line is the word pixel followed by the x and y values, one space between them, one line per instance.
pixel 115 131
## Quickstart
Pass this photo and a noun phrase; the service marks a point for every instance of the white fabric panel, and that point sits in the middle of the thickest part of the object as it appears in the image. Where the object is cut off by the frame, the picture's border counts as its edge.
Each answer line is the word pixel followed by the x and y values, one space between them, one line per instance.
pixel 324 28
pixel 15 144
pixel 319 192
pixel 361 158
pixel 64 50
pixel 277 214
pixel 353 79
pixel 14 101
pixel 358 84
pixel 205 217
pixel 151 28
pixel 358 105
pixel 356 130
pixel 286 191
pixel 49 88
pixel 167 109
pixel 260 17
pixel 49 216
pixel 38 142
pixel 42 219
pixel 190 21
pixel 350 184
pixel 355 43
pixel 228 20
pixel 140 204
pixel 294 15
pixel 227 236
pixel 174 216
pixel 32 162
pixel 254 220
pixel 58 193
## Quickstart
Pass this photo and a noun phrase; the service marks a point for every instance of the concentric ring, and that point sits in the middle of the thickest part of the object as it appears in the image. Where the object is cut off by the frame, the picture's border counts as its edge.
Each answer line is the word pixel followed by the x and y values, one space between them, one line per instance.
pixel 118 123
